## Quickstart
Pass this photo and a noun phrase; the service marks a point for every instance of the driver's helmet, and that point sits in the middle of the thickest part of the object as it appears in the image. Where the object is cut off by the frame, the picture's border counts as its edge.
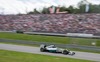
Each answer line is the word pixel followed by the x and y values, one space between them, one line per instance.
pixel 53 46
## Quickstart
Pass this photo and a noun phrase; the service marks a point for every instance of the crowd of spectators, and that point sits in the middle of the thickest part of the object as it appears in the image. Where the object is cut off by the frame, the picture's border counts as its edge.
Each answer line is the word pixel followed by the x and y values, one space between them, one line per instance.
pixel 54 23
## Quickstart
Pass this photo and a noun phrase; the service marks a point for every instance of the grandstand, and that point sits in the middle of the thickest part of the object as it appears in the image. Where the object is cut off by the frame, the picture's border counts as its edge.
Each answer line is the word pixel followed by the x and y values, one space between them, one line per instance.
pixel 52 23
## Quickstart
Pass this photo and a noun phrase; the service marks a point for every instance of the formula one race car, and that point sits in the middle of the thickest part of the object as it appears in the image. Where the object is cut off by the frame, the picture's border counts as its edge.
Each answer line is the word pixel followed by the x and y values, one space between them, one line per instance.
pixel 54 49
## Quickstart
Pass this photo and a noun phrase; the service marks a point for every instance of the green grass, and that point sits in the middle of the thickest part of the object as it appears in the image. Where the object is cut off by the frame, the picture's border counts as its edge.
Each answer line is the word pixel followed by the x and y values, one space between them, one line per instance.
pixel 12 56
pixel 39 38
pixel 52 39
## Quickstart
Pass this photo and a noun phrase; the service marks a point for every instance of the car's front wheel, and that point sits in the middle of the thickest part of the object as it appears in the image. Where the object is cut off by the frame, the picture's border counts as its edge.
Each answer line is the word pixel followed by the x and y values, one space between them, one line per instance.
pixel 73 53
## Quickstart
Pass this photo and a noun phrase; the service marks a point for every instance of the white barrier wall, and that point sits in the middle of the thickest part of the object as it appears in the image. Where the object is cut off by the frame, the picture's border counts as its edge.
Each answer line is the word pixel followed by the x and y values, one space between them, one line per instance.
pixel 80 34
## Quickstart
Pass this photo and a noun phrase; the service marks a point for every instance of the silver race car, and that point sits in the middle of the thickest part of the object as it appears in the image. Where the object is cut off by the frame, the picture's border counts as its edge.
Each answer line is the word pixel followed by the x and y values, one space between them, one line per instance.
pixel 54 49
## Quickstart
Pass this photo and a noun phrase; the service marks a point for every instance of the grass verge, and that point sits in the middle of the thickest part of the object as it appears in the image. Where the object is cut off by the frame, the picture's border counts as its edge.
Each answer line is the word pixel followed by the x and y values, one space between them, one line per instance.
pixel 52 39
pixel 12 56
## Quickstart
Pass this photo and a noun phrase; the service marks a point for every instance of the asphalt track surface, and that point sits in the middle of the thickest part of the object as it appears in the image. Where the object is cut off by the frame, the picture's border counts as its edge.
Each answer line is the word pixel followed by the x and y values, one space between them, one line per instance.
pixel 79 55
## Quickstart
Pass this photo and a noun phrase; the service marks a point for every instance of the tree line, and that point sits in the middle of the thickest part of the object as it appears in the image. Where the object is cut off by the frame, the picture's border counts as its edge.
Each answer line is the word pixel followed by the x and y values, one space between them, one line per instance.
pixel 93 8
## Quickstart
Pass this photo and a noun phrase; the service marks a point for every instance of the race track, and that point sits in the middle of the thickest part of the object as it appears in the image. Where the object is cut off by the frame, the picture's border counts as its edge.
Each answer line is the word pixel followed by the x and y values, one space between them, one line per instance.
pixel 79 55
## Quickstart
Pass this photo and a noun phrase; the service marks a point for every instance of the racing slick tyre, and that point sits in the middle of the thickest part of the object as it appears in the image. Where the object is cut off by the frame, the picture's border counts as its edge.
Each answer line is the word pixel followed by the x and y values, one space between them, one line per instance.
pixel 42 49
pixel 73 53
pixel 65 52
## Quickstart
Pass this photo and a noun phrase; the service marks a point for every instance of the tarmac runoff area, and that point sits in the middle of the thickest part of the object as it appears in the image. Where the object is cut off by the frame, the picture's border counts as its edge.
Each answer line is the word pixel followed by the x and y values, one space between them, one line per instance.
pixel 79 55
